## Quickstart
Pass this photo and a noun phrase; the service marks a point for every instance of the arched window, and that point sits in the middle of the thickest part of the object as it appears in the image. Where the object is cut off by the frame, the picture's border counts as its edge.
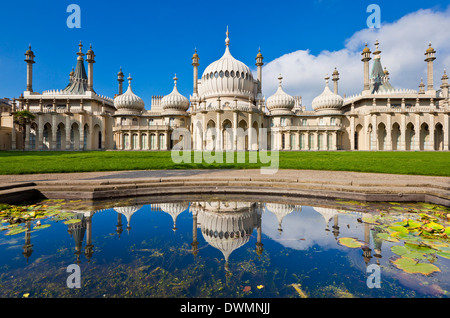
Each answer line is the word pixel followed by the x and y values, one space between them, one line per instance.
pixel 123 121
pixel 171 122
pixel 151 122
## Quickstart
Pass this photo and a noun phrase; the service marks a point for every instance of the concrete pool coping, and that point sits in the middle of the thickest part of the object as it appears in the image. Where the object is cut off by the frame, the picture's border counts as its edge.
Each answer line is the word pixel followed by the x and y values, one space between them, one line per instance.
pixel 293 183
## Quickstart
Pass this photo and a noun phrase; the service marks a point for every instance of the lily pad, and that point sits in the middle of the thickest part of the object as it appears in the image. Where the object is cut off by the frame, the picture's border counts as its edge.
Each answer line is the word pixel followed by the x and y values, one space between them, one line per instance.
pixel 40 227
pixel 72 221
pixel 387 237
pixel 16 230
pixel 350 242
pixel 411 266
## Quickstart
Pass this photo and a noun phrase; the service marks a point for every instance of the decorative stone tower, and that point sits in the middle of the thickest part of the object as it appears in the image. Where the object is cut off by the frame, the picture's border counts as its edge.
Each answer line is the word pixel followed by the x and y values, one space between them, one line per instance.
pixel 366 58
pixel 29 58
pixel 195 64
pixel 259 64
pixel 335 80
pixel 430 57
pixel 90 59
pixel 445 85
pixel 120 80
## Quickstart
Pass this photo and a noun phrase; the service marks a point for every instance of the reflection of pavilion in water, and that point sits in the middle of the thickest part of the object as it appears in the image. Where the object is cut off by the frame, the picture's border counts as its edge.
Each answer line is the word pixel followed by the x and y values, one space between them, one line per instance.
pixel 225 225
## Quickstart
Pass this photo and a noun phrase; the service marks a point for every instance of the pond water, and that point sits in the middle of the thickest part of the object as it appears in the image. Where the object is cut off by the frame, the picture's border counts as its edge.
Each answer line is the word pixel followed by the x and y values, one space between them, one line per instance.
pixel 232 247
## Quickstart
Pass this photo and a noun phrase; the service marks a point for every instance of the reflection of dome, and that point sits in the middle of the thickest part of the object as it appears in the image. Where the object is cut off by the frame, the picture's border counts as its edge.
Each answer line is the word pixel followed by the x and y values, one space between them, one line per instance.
pixel 280 100
pixel 326 213
pixel 327 100
pixel 175 101
pixel 174 209
pixel 281 210
pixel 128 100
pixel 128 211
pixel 227 77
pixel 227 231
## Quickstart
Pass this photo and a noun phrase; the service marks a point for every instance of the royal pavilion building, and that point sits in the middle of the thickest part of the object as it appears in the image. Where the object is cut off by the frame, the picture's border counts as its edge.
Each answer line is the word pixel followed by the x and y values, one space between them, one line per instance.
pixel 227 110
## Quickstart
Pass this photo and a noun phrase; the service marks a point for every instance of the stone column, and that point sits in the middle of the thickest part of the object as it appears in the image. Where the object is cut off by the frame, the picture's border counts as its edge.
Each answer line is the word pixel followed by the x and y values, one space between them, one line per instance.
pixel 352 132
pixel 249 131
pixel 374 133
pixel 54 130
pixel 27 137
pixel 235 119
pixel 68 145
pixel 417 133
pixel 446 132
pixel 40 139
pixel 402 132
pixel 431 130
pixel 388 144
pixel 218 132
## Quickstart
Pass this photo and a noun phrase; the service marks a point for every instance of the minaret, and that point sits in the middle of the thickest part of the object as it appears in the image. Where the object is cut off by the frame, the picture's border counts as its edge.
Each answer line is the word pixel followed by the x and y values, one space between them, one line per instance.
pixel 195 64
pixel 90 59
pixel 119 229
pixel 335 80
pixel 194 243
pixel 28 247
pixel 445 85
pixel 366 58
pixel 120 80
pixel 29 58
pixel 430 57
pixel 259 64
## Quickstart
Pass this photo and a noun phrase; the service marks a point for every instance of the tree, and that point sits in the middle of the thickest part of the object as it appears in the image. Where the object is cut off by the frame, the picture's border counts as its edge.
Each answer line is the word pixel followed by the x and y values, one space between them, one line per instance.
pixel 23 118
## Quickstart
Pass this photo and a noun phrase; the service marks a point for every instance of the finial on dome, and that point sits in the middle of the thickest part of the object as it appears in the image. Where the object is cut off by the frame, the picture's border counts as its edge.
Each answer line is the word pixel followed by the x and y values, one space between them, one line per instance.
pixel 129 79
pixel 227 40
pixel 280 78
pixel 80 45
pixel 326 79
pixel 175 79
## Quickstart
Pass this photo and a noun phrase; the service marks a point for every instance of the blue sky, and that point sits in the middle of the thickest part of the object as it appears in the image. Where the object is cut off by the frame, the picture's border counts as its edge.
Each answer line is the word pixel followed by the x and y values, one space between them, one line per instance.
pixel 153 40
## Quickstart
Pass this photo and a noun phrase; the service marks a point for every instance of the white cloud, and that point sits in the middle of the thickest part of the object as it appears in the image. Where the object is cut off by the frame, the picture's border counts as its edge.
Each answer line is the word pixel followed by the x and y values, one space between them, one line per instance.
pixel 403 44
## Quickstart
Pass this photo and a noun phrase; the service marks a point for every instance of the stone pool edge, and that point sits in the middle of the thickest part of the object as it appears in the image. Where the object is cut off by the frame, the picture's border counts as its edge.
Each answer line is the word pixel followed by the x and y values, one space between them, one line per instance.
pixel 376 188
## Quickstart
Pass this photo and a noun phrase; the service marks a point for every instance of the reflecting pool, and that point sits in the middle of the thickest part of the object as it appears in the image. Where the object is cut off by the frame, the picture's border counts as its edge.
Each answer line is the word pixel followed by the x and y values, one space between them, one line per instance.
pixel 221 246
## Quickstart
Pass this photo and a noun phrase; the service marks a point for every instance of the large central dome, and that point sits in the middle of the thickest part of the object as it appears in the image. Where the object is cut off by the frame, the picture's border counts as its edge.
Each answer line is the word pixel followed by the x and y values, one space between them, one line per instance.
pixel 227 77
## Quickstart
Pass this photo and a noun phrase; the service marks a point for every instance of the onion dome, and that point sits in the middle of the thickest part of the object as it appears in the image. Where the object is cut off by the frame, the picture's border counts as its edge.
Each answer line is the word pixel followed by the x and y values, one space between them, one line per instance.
pixel 128 100
pixel 174 209
pixel 430 49
pixel 366 49
pixel 227 77
pixel 280 100
pixel 280 211
pixel 175 101
pixel 326 213
pixel 327 100
pixel 128 212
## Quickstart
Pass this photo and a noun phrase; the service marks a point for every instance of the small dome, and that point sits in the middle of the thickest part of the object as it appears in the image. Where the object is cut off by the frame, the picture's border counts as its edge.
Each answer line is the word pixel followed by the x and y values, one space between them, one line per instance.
pixel 366 49
pixel 327 100
pixel 129 100
pixel 430 49
pixel 280 100
pixel 175 101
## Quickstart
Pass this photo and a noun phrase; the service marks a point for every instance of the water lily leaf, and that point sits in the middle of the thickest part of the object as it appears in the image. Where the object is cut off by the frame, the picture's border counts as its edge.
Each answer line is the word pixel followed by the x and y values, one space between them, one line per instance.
pixel 443 254
pixel 72 221
pixel 400 250
pixel 370 220
pixel 40 227
pixel 411 266
pixel 387 237
pixel 398 228
pixel 350 242
pixel 419 248
pixel 16 230
pixel 435 226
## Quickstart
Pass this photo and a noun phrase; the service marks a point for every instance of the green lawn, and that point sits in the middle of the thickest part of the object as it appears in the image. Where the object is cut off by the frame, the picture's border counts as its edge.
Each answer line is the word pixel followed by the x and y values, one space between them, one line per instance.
pixel 419 163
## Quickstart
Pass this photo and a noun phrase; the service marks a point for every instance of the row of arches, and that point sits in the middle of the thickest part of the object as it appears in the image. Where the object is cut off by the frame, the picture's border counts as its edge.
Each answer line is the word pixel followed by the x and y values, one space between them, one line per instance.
pixel 62 137
pixel 423 137
pixel 224 138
